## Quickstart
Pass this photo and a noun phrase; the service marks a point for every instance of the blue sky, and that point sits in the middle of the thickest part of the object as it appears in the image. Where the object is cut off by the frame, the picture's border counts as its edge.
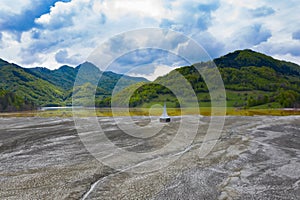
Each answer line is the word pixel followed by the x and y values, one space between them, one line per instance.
pixel 51 33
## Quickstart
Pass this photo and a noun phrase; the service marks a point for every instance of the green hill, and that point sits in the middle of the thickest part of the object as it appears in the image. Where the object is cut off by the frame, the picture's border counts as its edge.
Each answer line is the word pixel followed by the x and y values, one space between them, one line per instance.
pixel 9 102
pixel 65 76
pixel 248 58
pixel 251 79
pixel 14 78
pixel 44 87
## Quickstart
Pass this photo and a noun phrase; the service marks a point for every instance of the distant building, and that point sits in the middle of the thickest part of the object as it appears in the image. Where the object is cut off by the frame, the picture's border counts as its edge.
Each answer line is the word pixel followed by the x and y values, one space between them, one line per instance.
pixel 165 117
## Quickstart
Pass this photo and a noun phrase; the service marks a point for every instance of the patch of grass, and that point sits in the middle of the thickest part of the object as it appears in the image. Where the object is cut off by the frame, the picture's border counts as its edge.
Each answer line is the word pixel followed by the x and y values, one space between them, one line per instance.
pixel 156 111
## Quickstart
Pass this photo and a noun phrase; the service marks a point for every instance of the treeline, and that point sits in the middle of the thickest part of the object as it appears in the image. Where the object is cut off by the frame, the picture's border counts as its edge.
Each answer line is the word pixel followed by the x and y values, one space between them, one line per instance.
pixel 249 58
pixel 245 87
pixel 286 99
pixel 10 102
pixel 149 93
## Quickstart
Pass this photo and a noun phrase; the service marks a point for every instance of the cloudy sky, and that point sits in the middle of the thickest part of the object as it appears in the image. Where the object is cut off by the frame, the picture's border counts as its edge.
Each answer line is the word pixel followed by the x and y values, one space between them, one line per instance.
pixel 51 33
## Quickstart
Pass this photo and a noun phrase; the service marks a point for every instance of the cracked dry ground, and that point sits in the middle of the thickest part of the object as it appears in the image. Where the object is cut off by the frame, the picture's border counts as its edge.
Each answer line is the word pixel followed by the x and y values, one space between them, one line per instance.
pixel 255 158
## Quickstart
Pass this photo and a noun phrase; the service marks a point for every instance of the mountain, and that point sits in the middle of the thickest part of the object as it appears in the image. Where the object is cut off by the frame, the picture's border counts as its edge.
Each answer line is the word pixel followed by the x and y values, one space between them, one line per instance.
pixel 65 76
pixel 17 80
pixel 251 79
pixel 62 77
pixel 248 58
pixel 9 102
pixel 44 87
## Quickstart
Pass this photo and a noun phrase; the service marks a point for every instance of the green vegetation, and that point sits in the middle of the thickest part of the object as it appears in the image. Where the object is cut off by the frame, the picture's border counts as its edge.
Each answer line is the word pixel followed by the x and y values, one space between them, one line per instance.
pixel 107 112
pixel 16 80
pixel 65 76
pixel 142 93
pixel 9 102
pixel 44 87
pixel 251 79
pixel 248 58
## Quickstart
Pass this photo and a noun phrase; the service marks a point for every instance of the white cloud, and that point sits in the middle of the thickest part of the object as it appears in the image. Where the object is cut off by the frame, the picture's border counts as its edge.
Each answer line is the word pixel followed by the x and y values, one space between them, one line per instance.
pixel 291 48
pixel 9 48
pixel 15 6
pixel 159 70
pixel 147 8
pixel 220 26
pixel 262 11
pixel 287 57
pixel 59 16
pixel 62 56
pixel 233 20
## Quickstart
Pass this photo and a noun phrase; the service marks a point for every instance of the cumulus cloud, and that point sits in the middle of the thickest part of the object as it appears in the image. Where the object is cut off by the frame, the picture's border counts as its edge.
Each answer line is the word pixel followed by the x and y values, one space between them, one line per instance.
pixel 251 35
pixel 28 58
pixel 16 6
pixel 62 18
pixel 147 8
pixel 38 32
pixel 151 47
pixel 63 57
pixel 159 70
pixel 144 61
pixel 35 34
pixel 64 14
pixel 141 57
pixel 25 19
pixel 213 46
pixel 144 46
pixel 282 48
pixel 1 40
pixel 296 35
pixel 190 16
pixel 262 11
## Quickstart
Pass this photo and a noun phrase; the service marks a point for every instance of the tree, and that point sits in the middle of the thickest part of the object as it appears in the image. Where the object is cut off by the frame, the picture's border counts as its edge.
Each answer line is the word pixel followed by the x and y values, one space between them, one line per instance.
pixel 288 98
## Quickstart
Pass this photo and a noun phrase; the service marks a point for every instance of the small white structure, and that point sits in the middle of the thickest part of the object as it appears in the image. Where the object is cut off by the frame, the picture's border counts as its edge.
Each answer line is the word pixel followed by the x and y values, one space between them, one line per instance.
pixel 165 117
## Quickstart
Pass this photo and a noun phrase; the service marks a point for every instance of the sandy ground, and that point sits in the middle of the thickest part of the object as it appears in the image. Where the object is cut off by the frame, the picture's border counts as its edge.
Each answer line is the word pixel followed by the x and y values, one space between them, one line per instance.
pixel 255 158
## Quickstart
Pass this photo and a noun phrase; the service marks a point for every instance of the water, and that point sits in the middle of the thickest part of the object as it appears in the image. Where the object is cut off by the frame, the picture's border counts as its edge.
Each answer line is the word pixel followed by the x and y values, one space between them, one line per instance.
pixel 58 108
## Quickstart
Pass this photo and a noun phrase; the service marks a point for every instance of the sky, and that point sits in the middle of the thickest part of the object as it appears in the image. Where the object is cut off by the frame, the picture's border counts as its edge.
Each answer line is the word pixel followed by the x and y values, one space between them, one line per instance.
pixel 52 33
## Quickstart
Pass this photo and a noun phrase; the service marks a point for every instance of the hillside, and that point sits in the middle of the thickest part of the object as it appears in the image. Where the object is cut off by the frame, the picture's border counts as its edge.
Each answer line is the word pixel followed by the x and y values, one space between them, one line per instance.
pixel 16 79
pixel 44 87
pixel 248 58
pixel 251 79
pixel 65 76
pixel 9 102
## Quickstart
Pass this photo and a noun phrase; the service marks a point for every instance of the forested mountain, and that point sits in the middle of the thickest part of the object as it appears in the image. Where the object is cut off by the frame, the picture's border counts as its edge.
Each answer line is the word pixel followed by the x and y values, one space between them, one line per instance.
pixel 248 58
pixel 65 76
pixel 9 102
pixel 44 87
pixel 251 79
pixel 16 79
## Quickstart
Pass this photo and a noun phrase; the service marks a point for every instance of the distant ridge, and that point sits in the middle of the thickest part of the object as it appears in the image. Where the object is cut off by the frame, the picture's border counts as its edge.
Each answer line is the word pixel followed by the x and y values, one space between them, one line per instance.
pixel 248 58
pixel 251 79
pixel 65 76
pixel 47 87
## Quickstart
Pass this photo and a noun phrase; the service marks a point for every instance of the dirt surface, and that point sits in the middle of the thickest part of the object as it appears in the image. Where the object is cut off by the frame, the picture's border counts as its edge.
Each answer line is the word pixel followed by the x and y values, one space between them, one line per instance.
pixel 255 158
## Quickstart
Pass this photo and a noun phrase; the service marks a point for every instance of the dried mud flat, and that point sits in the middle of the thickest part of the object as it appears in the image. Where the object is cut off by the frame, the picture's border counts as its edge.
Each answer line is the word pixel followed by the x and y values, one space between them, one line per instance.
pixel 255 158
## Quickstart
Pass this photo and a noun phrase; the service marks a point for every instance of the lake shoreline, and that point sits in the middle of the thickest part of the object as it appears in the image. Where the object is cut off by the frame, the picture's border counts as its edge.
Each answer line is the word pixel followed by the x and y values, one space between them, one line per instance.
pixel 107 112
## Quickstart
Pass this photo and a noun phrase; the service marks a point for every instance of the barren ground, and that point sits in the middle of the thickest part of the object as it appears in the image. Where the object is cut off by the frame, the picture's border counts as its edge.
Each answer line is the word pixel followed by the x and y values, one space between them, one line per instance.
pixel 255 158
